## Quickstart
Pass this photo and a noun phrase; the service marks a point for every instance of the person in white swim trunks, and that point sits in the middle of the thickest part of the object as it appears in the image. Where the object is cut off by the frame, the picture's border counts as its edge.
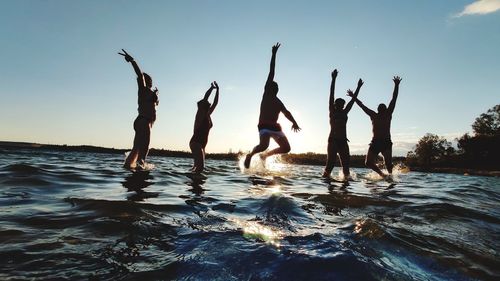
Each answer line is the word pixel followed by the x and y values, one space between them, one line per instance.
pixel 270 108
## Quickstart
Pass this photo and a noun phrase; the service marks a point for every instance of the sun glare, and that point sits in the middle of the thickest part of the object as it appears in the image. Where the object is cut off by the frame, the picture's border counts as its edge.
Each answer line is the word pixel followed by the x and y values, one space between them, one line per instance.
pixel 255 230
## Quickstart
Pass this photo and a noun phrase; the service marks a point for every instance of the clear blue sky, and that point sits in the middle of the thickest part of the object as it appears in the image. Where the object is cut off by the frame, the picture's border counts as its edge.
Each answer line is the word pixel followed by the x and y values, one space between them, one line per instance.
pixel 62 82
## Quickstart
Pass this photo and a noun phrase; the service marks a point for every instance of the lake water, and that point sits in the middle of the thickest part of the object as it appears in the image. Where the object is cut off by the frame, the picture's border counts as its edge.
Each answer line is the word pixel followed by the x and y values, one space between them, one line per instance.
pixel 81 216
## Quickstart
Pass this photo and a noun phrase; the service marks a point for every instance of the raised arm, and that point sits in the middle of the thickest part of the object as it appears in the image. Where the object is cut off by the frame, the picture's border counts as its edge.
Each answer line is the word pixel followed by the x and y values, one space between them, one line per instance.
pixel 332 89
pixel 137 70
pixel 368 111
pixel 216 99
pixel 270 77
pixel 208 92
pixel 351 102
pixel 392 104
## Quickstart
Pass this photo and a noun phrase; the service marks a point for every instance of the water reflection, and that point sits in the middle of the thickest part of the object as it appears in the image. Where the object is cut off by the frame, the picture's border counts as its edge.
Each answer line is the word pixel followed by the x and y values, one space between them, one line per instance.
pixel 196 183
pixel 256 180
pixel 135 184
pixel 334 184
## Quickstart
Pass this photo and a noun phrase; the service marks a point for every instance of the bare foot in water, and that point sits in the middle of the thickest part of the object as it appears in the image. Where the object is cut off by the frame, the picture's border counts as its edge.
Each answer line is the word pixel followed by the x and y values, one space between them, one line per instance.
pixel 388 178
pixel 140 166
pixel 326 174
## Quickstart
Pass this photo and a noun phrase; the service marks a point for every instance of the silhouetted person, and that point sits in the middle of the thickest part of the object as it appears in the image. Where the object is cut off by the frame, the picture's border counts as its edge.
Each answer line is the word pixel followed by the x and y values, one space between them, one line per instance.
pixel 270 108
pixel 381 124
pixel 337 140
pixel 202 126
pixel 147 100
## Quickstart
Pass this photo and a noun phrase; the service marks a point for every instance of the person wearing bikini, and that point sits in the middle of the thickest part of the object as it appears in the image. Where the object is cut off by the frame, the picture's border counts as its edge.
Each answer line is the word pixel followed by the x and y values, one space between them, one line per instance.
pixel 147 100
pixel 202 126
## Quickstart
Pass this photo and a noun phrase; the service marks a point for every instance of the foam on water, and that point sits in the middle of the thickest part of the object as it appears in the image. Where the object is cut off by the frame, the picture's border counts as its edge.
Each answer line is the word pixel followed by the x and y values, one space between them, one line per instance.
pixel 139 166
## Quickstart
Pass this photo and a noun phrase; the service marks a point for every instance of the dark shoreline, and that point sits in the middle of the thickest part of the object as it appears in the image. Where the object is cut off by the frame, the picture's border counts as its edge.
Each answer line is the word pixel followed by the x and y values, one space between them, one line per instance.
pixel 316 159
pixel 458 171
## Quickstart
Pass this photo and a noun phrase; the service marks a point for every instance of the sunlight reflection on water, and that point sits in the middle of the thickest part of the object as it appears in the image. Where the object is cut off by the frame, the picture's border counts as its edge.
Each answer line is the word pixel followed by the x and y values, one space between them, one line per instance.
pixel 281 222
pixel 257 231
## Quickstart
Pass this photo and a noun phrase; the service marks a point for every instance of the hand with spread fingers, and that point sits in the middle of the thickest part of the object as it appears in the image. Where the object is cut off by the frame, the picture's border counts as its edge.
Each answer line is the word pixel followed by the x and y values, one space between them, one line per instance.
pixel 296 128
pixel 397 80
pixel 350 93
pixel 276 47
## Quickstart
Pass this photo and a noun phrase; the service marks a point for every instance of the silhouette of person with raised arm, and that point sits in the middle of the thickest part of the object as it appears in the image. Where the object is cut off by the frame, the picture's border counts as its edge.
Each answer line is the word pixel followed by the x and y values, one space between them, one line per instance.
pixel 270 108
pixel 337 140
pixel 147 100
pixel 381 127
pixel 202 126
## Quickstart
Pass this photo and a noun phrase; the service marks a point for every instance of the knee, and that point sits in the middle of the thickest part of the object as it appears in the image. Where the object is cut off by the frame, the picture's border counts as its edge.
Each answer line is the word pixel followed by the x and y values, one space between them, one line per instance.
pixel 286 148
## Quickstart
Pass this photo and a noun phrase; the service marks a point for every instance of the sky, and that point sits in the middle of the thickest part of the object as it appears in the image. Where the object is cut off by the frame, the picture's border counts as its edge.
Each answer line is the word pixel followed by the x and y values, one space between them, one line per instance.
pixel 62 81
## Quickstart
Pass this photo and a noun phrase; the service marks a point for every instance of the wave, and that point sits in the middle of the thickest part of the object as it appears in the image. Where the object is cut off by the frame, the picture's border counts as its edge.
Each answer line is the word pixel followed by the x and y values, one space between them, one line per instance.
pixel 82 216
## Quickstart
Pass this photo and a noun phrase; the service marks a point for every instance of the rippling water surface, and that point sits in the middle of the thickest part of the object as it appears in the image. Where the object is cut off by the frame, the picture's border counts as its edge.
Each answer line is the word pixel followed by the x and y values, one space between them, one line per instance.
pixel 81 216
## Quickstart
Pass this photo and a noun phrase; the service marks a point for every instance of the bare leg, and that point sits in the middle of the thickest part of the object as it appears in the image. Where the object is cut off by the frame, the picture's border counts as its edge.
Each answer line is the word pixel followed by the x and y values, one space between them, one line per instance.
pixel 370 162
pixel 131 158
pixel 146 137
pixel 388 159
pixel 198 156
pixel 345 161
pixel 263 145
pixel 330 159
pixel 284 147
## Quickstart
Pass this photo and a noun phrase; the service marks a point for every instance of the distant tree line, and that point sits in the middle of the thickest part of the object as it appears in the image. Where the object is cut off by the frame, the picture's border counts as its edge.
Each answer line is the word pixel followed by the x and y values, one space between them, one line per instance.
pixel 310 158
pixel 481 150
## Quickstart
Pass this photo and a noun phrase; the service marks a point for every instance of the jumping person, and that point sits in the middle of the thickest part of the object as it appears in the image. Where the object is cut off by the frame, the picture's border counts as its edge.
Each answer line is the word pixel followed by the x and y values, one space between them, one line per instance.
pixel 147 100
pixel 202 126
pixel 381 127
pixel 270 108
pixel 337 140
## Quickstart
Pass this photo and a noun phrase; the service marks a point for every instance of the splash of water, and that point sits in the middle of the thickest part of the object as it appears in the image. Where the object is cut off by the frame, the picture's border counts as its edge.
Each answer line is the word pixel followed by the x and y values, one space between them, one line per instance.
pixel 398 170
pixel 273 165
pixel 141 166
pixel 340 176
